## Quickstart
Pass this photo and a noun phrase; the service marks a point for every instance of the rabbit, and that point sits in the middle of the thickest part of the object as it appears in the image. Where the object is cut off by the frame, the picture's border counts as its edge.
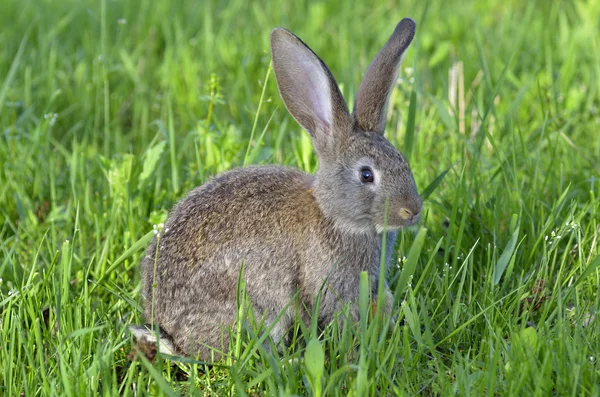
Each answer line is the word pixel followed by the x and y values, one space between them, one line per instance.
pixel 296 234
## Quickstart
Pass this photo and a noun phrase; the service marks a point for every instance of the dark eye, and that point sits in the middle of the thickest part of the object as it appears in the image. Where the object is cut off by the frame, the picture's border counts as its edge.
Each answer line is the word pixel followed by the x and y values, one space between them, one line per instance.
pixel 366 175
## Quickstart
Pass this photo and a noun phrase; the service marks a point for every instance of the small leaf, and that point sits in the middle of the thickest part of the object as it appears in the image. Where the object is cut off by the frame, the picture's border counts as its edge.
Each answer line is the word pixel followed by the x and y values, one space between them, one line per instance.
pixel 119 175
pixel 151 157
pixel 314 359
pixel 528 337
pixel 526 340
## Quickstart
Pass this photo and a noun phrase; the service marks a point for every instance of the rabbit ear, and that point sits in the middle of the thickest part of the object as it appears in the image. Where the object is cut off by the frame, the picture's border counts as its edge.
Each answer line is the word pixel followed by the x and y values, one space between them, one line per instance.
pixel 376 86
pixel 307 88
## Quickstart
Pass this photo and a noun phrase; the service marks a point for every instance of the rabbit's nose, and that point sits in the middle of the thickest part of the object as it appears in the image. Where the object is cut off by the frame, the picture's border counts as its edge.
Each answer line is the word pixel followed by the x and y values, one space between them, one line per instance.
pixel 408 215
pixel 405 213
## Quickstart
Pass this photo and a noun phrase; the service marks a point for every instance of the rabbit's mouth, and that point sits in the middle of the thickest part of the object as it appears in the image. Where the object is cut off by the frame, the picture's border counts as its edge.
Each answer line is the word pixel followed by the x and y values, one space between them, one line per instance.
pixel 392 228
pixel 403 218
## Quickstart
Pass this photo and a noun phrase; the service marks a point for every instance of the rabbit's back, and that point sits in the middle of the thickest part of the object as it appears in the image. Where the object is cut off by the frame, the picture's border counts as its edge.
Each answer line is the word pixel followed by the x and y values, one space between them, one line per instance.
pixel 261 216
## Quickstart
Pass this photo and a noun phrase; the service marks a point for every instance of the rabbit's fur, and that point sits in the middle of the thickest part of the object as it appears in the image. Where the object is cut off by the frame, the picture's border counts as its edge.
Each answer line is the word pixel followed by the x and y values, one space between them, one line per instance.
pixel 293 231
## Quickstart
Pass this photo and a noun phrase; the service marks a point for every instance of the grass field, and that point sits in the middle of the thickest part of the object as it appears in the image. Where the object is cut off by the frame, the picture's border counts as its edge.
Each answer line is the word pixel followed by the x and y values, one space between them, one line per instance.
pixel 110 111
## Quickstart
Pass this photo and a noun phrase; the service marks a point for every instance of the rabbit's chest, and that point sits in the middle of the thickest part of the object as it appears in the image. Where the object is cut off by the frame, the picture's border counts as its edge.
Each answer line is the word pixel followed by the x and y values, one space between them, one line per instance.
pixel 342 263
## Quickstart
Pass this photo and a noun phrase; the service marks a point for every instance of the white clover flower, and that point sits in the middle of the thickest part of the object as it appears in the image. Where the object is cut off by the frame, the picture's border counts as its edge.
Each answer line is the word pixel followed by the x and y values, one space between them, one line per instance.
pixel 156 229
pixel 52 117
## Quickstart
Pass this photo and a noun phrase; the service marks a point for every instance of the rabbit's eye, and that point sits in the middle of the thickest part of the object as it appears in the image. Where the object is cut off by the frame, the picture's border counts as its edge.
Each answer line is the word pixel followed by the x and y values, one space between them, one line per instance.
pixel 366 175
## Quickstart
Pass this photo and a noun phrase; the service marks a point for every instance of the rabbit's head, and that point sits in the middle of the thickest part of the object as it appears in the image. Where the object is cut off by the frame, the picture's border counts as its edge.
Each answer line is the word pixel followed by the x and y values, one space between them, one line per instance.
pixel 360 173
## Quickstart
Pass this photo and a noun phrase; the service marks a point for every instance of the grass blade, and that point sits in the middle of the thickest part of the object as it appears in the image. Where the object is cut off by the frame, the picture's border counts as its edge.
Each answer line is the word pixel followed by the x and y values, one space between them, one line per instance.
pixel 409 138
pixel 588 271
pixel 506 254
pixel 434 184
pixel 411 263
pixel 13 68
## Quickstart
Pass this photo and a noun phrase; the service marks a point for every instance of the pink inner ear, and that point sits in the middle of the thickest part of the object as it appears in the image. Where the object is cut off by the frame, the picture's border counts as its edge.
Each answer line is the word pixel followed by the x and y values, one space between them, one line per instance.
pixel 312 87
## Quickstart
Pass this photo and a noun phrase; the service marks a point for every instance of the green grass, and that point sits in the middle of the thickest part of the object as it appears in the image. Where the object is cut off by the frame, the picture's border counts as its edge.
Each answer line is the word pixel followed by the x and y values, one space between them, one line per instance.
pixel 111 110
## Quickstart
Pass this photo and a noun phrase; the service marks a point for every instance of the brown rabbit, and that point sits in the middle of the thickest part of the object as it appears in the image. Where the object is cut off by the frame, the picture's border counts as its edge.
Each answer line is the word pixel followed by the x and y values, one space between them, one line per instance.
pixel 293 231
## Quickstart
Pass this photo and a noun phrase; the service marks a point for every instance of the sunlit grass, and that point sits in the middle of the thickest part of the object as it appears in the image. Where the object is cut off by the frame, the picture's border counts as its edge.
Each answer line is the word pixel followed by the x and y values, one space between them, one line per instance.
pixel 110 111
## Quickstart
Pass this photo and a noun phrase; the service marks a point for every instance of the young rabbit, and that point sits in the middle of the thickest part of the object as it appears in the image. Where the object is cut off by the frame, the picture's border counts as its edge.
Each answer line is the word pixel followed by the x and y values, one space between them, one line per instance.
pixel 294 232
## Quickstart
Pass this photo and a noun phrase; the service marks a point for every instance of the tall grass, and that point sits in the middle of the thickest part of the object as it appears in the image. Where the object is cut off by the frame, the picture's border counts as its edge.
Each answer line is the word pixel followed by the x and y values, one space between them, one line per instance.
pixel 111 110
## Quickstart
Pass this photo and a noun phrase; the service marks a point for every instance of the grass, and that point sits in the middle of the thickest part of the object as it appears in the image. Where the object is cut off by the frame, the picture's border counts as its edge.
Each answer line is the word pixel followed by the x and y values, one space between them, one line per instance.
pixel 111 110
